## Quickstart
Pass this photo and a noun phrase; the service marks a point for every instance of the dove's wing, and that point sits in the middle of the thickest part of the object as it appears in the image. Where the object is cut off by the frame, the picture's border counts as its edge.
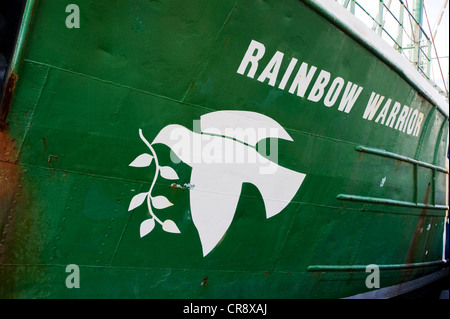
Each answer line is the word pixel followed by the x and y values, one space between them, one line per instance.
pixel 278 188
pixel 245 126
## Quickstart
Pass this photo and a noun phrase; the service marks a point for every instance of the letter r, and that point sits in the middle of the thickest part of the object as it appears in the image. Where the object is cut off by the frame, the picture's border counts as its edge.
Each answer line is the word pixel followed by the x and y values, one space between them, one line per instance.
pixel 251 57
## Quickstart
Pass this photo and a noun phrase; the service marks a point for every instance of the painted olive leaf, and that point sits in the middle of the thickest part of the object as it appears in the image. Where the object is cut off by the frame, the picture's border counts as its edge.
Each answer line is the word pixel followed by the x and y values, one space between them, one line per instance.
pixel 160 202
pixel 147 226
pixel 170 227
pixel 137 201
pixel 168 172
pixel 142 160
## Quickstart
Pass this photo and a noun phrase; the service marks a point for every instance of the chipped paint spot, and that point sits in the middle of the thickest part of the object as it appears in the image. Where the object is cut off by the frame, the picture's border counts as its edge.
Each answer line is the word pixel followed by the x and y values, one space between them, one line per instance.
pixel 51 159
pixel 383 180
pixel 186 185
pixel 204 281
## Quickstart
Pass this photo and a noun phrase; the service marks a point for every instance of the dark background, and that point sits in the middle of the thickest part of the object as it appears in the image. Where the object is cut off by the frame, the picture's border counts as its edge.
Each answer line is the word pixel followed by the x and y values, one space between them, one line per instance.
pixel 10 17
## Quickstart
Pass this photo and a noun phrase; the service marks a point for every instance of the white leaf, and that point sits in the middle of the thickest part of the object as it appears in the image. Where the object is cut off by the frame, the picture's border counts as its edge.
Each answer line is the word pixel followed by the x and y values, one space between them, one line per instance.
pixel 160 202
pixel 147 226
pixel 170 227
pixel 168 172
pixel 142 160
pixel 137 201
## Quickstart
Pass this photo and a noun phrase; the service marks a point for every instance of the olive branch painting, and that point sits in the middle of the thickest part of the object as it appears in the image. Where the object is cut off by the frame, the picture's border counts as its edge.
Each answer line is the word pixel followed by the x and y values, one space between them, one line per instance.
pixel 158 202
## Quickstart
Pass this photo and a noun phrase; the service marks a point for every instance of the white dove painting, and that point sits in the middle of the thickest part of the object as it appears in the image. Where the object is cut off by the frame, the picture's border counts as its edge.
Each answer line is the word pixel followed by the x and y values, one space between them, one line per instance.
pixel 223 155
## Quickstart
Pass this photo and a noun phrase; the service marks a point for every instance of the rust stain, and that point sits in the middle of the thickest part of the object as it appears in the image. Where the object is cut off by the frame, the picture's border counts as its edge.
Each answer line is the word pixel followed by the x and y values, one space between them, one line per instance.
pixel 9 190
pixel 44 144
pixel 415 240
pixel 6 101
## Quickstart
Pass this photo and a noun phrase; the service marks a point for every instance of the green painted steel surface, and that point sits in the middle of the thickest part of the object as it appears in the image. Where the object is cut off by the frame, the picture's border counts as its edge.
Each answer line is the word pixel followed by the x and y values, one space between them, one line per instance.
pixel 82 95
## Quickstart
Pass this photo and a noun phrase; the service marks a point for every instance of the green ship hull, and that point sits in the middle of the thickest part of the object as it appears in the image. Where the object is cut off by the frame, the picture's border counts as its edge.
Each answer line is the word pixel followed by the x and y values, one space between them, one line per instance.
pixel 97 200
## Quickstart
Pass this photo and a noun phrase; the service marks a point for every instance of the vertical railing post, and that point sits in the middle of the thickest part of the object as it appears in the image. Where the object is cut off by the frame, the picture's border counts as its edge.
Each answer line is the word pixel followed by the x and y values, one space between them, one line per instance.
pixel 429 58
pixel 417 11
pixel 380 17
pixel 400 28
pixel 377 25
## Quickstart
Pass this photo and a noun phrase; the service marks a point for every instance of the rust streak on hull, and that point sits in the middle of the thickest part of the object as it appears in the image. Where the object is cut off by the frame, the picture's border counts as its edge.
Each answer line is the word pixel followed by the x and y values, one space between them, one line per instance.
pixel 6 101
pixel 415 240
pixel 9 188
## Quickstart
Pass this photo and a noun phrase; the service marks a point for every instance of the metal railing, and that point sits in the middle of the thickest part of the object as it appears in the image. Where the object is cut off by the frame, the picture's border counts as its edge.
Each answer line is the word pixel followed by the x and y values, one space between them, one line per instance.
pixel 402 26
